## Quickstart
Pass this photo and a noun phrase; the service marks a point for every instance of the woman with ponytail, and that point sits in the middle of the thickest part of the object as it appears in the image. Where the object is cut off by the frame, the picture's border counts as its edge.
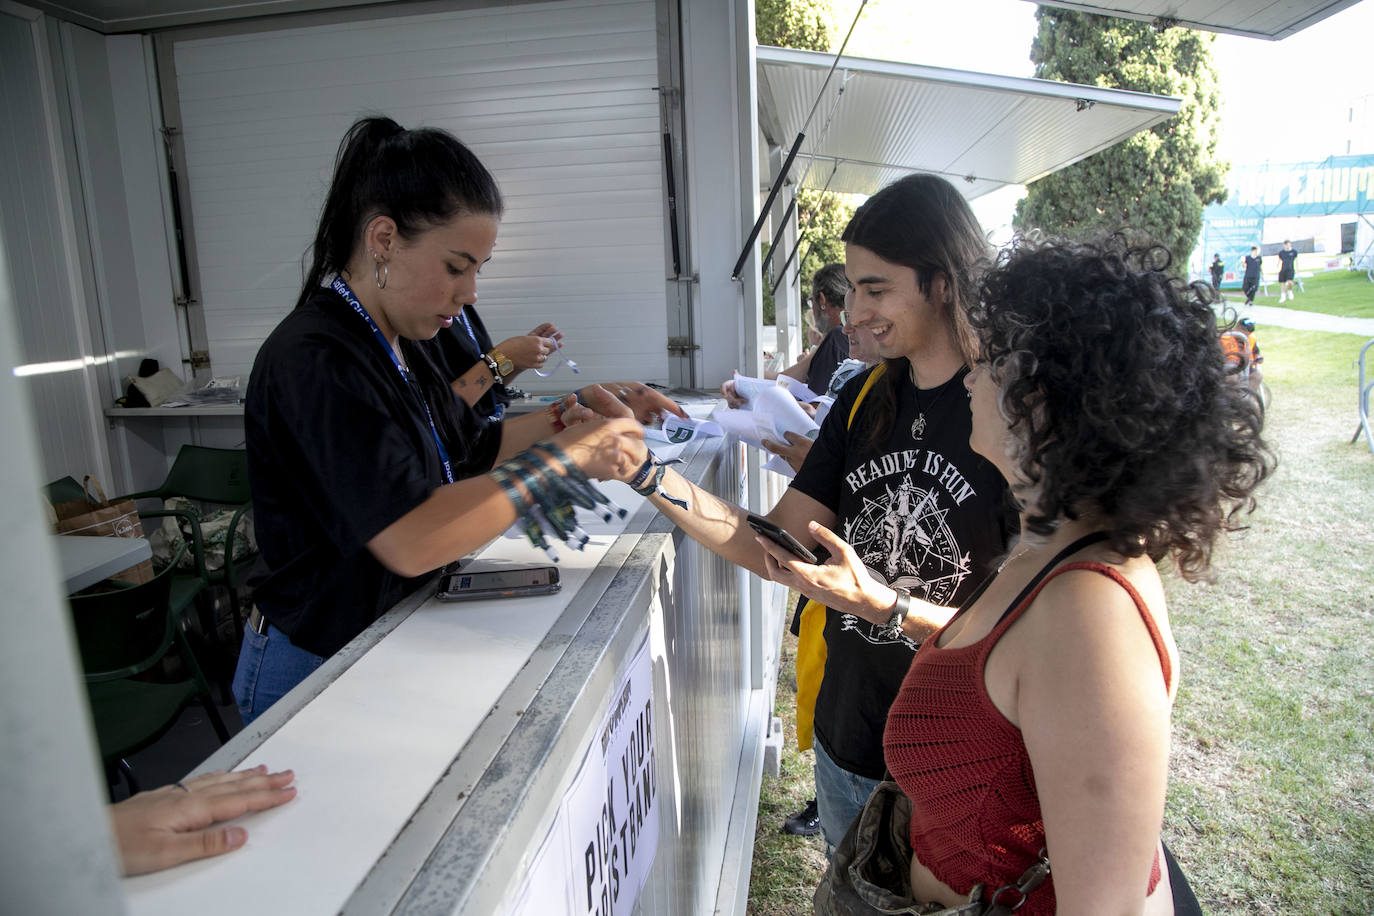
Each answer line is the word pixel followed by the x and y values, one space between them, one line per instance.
pixel 367 472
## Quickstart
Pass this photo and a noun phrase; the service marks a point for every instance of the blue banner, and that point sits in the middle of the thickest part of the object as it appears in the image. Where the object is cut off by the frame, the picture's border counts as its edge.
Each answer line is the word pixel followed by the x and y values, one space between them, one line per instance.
pixel 1333 186
pixel 1338 184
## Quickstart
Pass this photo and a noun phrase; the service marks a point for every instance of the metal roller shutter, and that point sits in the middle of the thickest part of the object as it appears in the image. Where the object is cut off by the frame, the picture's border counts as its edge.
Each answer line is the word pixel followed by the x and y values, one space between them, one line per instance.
pixel 557 99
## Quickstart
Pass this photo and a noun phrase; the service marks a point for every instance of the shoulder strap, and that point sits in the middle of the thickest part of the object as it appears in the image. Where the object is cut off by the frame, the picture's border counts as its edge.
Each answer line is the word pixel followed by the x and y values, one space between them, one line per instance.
pixel 873 377
pixel 1045 570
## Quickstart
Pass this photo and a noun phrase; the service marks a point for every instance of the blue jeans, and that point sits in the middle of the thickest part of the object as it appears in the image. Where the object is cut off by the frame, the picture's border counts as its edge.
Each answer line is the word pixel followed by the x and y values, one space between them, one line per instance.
pixel 269 666
pixel 840 796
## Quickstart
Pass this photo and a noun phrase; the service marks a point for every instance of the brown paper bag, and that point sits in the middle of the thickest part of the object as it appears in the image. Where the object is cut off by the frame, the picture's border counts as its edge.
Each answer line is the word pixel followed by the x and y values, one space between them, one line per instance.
pixel 95 516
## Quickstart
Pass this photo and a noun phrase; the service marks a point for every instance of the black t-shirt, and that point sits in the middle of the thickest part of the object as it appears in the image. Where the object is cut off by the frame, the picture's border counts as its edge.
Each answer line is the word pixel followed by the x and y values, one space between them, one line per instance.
pixel 1252 267
pixel 833 350
pixel 462 345
pixel 1286 259
pixel 922 512
pixel 339 447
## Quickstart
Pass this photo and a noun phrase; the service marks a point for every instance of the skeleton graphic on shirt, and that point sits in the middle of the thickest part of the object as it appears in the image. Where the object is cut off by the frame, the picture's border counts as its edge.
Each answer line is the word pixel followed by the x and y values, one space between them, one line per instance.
pixel 904 541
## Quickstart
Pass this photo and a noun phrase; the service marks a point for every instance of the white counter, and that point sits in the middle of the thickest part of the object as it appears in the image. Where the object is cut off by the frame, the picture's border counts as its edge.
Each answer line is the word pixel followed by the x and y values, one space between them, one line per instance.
pixel 432 752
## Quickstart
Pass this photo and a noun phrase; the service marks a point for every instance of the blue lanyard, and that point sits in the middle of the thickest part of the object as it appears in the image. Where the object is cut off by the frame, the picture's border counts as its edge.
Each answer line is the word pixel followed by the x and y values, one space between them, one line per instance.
pixel 340 287
pixel 500 408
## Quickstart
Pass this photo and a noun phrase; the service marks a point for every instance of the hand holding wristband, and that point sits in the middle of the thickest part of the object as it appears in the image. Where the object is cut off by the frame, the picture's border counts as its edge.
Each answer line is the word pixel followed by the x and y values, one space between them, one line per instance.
pixel 546 505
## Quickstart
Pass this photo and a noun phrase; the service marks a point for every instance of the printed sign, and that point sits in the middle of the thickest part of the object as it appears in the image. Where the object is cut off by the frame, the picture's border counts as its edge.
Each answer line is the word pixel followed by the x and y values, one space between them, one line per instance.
pixel 604 838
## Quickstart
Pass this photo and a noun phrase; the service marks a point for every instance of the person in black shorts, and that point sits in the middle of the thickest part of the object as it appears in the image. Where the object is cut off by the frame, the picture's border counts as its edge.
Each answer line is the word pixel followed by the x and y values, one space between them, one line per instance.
pixel 1287 257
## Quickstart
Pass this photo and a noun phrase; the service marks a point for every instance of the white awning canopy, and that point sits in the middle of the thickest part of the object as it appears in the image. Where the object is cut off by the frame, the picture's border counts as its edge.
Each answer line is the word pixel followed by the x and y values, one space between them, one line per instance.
pixel 878 120
pixel 1272 19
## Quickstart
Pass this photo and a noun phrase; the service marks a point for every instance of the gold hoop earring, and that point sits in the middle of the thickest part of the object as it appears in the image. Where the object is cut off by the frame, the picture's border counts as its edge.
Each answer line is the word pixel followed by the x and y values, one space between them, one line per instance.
pixel 382 273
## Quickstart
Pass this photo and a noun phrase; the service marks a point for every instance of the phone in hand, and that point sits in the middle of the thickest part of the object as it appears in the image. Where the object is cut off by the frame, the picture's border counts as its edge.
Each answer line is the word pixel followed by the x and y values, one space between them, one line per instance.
pixel 780 537
pixel 502 583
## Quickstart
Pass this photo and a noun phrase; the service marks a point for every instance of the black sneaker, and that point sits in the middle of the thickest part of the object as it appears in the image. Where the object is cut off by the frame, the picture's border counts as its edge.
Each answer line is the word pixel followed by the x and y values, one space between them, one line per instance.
pixel 806 822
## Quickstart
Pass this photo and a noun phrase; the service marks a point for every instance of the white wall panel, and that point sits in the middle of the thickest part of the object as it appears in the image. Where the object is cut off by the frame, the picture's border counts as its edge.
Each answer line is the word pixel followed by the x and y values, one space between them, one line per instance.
pixel 556 98
pixel 37 225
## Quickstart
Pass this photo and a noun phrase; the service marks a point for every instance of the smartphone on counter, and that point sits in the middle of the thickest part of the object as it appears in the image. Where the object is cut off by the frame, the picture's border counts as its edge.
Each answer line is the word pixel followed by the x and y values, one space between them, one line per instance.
pixel 503 583
pixel 780 537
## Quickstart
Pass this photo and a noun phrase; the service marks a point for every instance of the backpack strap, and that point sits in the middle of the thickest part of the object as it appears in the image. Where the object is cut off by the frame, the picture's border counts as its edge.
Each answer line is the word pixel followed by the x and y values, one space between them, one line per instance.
pixel 873 377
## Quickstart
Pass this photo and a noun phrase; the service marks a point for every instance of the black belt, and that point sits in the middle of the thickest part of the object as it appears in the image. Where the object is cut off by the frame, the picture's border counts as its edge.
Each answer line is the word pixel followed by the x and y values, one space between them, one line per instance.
pixel 256 622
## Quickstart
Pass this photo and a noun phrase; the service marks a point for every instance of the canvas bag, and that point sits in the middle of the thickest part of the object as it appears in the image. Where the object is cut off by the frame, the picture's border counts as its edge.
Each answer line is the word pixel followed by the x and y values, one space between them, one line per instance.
pixel 96 516
pixel 175 534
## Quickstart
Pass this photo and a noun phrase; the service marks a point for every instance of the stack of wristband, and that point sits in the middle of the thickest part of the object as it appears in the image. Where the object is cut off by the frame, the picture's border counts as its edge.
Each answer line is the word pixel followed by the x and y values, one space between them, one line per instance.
pixel 546 506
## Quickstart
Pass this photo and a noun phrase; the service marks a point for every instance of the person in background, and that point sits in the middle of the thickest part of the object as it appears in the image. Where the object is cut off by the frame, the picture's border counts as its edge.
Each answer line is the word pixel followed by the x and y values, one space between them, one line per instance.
pixel 1242 354
pixel 1038 717
pixel 918 519
pixel 817 365
pixel 182 822
pixel 1287 272
pixel 367 473
pixel 863 355
pixel 1218 270
pixel 1250 284
pixel 470 354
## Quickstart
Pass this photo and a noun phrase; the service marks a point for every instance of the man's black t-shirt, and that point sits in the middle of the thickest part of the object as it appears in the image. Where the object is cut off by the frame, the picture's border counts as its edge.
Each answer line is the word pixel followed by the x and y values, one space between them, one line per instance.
pixel 1252 267
pixel 339 447
pixel 462 345
pixel 1286 260
pixel 832 350
pixel 923 512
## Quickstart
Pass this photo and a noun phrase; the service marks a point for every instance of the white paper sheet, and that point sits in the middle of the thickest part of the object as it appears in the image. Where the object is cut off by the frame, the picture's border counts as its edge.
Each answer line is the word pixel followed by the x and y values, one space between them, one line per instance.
pixel 775 413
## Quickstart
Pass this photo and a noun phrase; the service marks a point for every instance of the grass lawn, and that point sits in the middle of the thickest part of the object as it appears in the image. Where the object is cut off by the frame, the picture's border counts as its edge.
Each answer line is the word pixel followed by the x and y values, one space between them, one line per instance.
pixel 1271 797
pixel 1333 292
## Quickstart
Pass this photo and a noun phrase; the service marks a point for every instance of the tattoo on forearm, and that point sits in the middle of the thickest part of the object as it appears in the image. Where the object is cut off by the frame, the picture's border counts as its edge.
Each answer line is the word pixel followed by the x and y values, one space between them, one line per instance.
pixel 480 381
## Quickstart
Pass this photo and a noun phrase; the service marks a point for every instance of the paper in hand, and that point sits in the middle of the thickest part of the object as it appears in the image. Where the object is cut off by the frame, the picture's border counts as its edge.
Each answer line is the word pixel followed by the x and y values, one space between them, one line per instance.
pixel 775 413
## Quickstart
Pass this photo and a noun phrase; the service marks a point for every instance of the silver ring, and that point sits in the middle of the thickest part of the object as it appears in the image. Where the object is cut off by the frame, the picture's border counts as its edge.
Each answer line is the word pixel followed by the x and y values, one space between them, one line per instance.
pixel 182 786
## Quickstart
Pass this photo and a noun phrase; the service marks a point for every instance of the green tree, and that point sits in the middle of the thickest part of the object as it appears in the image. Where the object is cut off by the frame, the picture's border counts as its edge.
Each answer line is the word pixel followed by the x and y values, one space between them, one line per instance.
pixel 1157 181
pixel 803 24
pixel 806 25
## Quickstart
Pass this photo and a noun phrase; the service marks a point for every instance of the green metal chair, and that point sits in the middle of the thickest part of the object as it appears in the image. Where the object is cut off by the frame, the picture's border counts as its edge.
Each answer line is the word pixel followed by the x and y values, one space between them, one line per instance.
pixel 207 475
pixel 122 635
pixel 64 490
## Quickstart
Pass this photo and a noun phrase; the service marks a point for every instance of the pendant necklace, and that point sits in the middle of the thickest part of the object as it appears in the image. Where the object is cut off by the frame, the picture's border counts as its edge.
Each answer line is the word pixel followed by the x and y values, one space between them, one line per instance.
pixel 918 426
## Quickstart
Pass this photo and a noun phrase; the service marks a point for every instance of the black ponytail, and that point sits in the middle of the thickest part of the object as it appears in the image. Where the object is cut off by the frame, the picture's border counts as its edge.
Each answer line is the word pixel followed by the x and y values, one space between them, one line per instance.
pixel 419 178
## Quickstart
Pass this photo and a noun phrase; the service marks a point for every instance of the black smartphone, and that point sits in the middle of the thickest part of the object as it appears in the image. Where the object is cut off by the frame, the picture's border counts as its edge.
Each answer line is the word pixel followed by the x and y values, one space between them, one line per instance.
pixel 503 583
pixel 780 537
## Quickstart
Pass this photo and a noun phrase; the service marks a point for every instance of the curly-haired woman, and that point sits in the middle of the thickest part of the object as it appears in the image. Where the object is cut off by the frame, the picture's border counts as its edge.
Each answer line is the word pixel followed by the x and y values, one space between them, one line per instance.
pixel 1038 717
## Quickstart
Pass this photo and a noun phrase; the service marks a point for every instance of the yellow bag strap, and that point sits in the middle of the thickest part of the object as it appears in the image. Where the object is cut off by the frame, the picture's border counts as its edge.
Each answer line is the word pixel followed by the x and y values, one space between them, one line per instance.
pixel 873 377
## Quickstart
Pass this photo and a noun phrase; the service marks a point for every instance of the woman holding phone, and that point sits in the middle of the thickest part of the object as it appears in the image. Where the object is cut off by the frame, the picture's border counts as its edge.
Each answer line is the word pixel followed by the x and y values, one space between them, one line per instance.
pixel 367 472
pixel 1036 722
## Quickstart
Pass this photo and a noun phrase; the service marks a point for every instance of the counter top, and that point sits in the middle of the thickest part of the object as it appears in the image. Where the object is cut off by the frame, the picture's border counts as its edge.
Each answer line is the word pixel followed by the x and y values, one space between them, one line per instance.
pixel 390 737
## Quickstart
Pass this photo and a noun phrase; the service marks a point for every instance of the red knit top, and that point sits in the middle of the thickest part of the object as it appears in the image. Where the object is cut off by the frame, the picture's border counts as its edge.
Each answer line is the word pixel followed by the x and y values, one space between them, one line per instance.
pixel 975 813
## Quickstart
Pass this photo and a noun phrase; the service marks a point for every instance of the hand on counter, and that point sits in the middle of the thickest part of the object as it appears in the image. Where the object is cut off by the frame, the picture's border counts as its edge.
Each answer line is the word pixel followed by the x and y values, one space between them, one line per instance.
pixel 176 824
